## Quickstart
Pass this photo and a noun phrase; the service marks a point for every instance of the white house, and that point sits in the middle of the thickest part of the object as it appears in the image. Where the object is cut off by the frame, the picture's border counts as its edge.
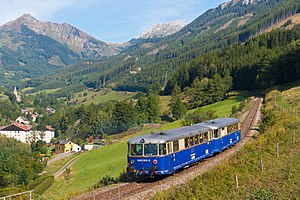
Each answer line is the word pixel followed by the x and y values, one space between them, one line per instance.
pixel 76 147
pixel 22 120
pixel 25 134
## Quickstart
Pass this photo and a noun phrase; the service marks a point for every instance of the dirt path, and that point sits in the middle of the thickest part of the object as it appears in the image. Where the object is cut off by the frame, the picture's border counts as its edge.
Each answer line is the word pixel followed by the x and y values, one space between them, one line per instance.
pixel 67 165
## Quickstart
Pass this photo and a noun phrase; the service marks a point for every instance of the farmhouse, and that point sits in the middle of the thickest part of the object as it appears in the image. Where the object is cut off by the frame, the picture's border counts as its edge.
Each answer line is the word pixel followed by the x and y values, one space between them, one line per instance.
pixel 66 146
pixel 26 134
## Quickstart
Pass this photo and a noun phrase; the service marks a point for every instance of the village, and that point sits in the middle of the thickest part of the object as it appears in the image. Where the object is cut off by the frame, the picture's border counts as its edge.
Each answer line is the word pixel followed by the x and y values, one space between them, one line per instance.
pixel 28 131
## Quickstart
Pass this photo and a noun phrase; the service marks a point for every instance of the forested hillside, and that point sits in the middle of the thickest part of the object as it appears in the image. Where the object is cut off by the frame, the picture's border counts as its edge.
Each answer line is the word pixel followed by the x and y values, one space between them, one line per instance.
pixel 268 59
pixel 151 63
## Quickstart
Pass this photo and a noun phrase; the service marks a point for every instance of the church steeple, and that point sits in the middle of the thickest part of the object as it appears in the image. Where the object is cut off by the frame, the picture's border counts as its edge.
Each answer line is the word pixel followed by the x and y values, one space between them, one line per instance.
pixel 18 97
pixel 15 91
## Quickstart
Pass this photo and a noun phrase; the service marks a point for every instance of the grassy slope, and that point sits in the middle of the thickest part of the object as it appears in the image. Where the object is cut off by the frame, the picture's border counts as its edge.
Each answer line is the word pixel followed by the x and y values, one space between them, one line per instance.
pixel 280 179
pixel 100 96
pixel 164 103
pixel 223 108
pixel 112 159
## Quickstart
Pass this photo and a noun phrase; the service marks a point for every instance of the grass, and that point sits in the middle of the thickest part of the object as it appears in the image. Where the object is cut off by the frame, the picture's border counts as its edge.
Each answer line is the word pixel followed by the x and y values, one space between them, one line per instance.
pixel 280 179
pixel 223 108
pixel 112 159
pixel 102 96
pixel 164 103
pixel 49 91
pixel 55 166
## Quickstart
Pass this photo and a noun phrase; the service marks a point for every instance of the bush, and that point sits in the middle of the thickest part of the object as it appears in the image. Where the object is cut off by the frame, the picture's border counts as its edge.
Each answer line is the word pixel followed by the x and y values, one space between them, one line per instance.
pixel 105 181
pixel 41 185
pixel 108 180
pixel 198 116
pixel 9 191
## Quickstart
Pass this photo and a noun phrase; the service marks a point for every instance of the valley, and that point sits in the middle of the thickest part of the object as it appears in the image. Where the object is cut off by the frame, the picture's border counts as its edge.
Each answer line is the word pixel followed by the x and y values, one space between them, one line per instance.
pixel 65 92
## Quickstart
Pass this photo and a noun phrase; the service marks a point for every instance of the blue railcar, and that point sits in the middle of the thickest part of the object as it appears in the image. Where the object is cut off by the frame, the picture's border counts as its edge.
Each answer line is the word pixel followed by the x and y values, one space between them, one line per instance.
pixel 167 151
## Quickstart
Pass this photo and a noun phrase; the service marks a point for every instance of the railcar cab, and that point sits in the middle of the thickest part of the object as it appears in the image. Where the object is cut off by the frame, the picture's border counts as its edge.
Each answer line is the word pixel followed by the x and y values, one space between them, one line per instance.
pixel 225 132
pixel 148 155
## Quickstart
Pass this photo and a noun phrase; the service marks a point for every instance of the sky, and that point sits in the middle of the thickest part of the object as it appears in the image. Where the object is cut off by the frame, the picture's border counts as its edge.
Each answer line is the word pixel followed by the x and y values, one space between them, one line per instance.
pixel 113 21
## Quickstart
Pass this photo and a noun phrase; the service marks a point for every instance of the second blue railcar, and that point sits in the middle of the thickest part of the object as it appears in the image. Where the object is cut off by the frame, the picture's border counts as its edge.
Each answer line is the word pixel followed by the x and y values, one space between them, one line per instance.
pixel 167 151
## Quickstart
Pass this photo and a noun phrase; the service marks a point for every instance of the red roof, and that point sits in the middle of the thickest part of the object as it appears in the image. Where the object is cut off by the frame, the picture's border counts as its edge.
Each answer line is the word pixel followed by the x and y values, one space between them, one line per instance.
pixel 21 126
pixel 50 128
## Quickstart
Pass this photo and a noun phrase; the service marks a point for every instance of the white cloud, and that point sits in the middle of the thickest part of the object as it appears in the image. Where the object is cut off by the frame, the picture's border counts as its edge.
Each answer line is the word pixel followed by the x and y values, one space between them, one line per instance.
pixel 41 9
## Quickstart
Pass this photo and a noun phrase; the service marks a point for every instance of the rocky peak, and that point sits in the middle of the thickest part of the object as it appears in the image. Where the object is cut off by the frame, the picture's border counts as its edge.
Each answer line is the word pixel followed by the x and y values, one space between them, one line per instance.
pixel 15 25
pixel 74 38
pixel 247 2
pixel 162 30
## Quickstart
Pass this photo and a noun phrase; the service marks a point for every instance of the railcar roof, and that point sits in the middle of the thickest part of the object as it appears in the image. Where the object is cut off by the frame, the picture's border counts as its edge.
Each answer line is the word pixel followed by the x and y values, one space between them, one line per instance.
pixel 219 122
pixel 178 133
pixel 170 135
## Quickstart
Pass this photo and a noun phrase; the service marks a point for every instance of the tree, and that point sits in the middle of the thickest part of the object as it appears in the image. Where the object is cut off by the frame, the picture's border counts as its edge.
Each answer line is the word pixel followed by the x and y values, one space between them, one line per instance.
pixel 153 108
pixel 123 117
pixel 178 109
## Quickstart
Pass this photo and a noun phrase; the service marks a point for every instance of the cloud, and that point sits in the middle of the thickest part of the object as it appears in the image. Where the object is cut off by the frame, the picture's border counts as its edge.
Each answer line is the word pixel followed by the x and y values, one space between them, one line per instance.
pixel 41 9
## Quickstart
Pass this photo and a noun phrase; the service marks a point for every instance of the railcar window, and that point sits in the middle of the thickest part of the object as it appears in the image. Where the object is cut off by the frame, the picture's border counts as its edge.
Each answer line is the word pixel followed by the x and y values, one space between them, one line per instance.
pixel 206 137
pixel 136 150
pixel 175 145
pixel 201 138
pixel 232 128
pixel 191 141
pixel 196 139
pixel 150 149
pixel 186 142
pixel 169 147
pixel 162 149
pixel 216 133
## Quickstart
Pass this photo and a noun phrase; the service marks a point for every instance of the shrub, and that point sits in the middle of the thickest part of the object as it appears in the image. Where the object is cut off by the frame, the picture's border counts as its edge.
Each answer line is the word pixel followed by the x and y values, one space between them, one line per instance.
pixel 9 191
pixel 105 181
pixel 198 116
pixel 40 189
pixel 41 185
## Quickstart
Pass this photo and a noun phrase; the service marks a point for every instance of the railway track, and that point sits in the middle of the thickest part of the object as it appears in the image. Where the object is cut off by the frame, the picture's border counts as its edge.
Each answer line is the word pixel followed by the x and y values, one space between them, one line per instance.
pixel 146 188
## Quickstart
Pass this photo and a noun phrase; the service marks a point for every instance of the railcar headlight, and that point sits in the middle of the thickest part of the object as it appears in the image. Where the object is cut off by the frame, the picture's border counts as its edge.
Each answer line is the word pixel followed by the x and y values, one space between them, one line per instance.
pixel 154 162
pixel 132 162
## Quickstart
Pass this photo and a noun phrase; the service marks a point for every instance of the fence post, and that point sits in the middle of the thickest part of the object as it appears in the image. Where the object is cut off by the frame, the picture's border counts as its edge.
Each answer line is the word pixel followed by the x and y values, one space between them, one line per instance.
pixel 261 165
pixel 236 182
pixel 277 151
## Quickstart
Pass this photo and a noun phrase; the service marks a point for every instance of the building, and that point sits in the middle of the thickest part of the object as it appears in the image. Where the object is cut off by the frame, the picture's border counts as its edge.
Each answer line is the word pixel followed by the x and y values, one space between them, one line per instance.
pixel 26 134
pixel 66 146
pixel 22 120
pixel 18 97
pixel 50 110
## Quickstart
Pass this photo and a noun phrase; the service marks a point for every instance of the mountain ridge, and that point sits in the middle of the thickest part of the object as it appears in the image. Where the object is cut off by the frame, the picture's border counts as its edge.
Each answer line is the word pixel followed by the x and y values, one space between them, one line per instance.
pixel 163 29
pixel 77 40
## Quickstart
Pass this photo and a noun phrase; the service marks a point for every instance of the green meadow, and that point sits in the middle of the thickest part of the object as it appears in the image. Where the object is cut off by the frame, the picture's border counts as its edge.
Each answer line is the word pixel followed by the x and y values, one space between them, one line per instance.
pixel 112 159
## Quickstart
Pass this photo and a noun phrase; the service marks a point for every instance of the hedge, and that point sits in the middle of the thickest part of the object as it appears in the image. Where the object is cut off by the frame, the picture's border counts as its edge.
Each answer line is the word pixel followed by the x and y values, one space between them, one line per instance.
pixel 41 185
pixel 9 191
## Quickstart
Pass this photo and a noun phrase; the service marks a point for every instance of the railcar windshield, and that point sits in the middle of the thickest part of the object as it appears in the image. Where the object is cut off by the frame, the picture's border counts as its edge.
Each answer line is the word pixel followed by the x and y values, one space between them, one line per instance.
pixel 136 149
pixel 150 149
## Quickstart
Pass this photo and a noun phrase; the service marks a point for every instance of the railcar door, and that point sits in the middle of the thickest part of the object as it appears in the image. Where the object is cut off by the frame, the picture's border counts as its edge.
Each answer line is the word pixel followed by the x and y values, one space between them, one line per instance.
pixel 216 142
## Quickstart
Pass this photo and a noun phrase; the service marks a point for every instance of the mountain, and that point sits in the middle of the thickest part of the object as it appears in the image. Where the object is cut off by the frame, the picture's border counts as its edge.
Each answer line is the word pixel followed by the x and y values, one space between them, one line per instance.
pixel 31 48
pixel 162 30
pixel 150 63
pixel 75 39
